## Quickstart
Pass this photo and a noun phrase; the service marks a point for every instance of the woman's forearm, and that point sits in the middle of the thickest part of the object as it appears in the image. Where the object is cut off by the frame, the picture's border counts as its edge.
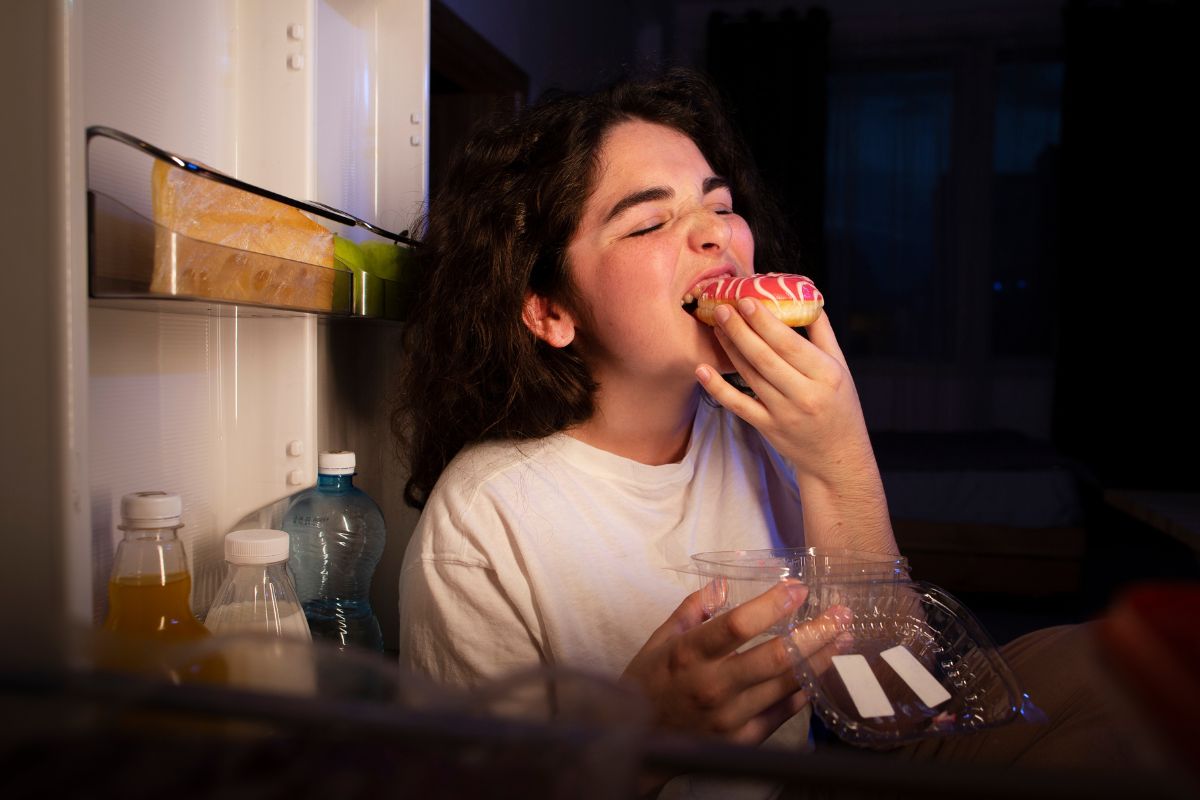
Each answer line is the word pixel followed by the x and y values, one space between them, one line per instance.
pixel 851 513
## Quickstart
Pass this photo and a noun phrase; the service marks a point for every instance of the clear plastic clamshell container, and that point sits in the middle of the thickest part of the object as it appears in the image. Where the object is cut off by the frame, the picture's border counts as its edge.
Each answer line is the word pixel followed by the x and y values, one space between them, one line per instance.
pixel 163 227
pixel 885 659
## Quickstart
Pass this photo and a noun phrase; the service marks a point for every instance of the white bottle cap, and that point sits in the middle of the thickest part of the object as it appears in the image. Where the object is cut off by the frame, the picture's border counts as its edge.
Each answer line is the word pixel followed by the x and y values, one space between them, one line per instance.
pixel 256 547
pixel 336 462
pixel 151 510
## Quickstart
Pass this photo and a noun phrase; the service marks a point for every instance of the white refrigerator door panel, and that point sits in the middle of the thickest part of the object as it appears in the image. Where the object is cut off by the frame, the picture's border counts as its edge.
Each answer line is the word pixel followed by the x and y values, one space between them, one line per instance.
pixel 150 381
pixel 274 89
pixel 315 99
pixel 166 73
pixel 209 406
pixel 372 89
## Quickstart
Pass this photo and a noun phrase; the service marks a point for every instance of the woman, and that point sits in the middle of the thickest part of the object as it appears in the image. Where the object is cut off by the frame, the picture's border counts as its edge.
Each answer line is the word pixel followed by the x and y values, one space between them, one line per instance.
pixel 571 435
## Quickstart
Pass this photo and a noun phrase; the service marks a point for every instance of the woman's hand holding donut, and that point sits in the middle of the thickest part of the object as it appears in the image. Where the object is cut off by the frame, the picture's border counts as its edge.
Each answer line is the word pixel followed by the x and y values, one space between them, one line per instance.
pixel 806 405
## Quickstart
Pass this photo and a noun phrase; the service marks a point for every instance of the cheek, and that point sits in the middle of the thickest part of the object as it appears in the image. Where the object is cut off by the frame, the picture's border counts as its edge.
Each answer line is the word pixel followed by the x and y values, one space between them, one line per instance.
pixel 612 289
pixel 741 242
pixel 635 274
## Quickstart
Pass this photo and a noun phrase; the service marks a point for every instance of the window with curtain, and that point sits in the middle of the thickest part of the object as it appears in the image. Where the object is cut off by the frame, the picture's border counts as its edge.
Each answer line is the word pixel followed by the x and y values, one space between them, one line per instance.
pixel 1024 230
pixel 888 153
pixel 941 221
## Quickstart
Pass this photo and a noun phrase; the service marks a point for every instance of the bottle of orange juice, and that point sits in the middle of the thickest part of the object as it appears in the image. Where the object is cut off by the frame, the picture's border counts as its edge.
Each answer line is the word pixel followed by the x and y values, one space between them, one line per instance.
pixel 149 606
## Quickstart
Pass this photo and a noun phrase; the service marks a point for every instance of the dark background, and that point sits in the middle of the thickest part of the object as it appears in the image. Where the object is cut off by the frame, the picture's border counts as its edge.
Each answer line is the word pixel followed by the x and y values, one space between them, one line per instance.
pixel 1003 318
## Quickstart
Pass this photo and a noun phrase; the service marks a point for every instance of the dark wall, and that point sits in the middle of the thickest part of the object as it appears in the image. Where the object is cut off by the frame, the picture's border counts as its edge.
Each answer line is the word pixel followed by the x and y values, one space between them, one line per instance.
pixel 1125 400
pixel 1123 301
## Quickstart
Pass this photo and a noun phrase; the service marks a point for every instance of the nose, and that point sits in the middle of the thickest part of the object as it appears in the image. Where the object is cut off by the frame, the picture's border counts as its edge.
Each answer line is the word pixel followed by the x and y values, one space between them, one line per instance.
pixel 709 232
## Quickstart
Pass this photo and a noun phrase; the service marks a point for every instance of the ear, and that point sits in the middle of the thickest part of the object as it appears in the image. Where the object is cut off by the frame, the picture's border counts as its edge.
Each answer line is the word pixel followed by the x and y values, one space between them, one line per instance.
pixel 548 320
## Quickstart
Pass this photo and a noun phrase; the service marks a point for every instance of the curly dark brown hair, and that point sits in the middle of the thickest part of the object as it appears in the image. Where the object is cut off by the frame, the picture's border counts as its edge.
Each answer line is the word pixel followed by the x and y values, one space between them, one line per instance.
pixel 498 229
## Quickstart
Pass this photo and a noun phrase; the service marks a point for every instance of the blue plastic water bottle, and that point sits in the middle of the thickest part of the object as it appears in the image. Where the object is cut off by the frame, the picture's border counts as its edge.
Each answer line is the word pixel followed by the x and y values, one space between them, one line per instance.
pixel 337 536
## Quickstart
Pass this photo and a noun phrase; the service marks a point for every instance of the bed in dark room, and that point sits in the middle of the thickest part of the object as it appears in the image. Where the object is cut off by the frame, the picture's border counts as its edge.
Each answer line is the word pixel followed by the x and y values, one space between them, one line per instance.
pixel 989 511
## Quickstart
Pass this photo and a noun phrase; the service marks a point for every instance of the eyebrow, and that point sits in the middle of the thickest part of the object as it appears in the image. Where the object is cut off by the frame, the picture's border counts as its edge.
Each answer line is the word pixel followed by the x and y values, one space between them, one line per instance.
pixel 654 193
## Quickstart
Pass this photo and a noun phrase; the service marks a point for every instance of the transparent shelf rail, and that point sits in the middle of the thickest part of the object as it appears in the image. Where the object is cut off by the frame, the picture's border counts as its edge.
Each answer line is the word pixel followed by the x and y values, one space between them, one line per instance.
pixel 166 228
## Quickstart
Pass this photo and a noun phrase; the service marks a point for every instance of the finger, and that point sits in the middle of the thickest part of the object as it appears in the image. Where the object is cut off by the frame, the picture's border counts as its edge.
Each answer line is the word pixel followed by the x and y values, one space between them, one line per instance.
pixel 726 633
pixel 811 636
pixel 714 595
pixel 747 348
pixel 820 333
pixel 821 659
pixel 688 615
pixel 753 671
pixel 766 722
pixel 816 642
pixel 767 392
pixel 738 693
pixel 747 408
pixel 776 350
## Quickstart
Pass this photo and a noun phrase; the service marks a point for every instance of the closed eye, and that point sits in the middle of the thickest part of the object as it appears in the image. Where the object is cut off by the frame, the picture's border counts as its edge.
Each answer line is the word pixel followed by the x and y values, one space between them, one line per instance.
pixel 644 231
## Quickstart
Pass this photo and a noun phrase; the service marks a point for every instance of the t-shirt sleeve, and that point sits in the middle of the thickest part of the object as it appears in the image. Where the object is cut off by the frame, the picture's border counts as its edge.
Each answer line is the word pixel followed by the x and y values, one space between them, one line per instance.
pixel 461 617
pixel 458 626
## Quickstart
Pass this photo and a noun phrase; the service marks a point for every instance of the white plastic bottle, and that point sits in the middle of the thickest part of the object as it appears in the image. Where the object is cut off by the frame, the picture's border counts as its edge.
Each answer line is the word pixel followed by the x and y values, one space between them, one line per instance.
pixel 258 610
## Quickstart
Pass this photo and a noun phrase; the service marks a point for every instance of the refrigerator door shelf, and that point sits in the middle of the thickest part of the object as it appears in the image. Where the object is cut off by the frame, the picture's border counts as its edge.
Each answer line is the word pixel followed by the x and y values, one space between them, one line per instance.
pixel 130 255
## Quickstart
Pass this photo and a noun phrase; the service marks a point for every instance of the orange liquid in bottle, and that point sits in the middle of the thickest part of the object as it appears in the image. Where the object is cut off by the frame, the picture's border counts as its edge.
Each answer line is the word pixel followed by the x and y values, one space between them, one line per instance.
pixel 147 605
pixel 149 611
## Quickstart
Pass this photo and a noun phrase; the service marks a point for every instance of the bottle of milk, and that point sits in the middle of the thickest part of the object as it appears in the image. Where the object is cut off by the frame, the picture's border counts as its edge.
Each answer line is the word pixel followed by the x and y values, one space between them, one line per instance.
pixel 258 598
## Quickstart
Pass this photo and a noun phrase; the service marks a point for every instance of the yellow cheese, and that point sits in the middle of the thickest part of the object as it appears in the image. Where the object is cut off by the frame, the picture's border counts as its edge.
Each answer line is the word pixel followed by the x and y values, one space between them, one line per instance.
pixel 215 241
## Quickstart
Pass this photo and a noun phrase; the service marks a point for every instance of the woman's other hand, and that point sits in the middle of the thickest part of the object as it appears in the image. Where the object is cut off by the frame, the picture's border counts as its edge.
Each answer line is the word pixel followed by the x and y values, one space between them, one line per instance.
pixel 698 682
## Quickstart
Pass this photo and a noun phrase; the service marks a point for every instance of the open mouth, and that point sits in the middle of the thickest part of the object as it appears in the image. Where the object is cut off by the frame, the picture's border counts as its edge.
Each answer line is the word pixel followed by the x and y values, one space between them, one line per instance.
pixel 691 301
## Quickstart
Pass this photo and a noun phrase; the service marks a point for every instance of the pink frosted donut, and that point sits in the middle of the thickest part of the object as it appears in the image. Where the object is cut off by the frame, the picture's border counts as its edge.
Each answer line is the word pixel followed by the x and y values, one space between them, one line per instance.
pixel 793 298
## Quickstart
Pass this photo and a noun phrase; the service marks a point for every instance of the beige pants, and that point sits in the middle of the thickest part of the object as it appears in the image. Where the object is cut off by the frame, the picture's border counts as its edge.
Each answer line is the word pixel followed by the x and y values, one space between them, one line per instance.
pixel 1090 722
pixel 1091 725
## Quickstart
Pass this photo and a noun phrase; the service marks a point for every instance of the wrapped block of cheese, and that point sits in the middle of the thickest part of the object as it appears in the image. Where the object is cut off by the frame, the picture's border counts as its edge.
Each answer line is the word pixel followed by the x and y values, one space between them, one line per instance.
pixel 265 252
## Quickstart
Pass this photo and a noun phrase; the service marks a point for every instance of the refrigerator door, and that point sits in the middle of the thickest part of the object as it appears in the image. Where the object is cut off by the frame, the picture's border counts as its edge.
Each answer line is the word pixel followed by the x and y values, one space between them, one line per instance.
pixel 315 99
pixel 43 345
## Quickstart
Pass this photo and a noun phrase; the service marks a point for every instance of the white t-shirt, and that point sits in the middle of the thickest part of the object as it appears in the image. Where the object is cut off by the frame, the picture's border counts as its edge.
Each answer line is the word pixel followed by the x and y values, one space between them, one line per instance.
pixel 552 551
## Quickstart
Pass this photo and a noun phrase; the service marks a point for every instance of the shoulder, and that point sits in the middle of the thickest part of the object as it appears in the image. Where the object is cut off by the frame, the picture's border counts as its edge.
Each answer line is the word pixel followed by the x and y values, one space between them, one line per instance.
pixel 469 506
pixel 490 469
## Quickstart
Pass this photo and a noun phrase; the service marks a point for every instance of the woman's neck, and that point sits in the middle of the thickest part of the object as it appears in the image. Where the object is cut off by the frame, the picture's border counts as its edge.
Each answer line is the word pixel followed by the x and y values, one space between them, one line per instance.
pixel 652 427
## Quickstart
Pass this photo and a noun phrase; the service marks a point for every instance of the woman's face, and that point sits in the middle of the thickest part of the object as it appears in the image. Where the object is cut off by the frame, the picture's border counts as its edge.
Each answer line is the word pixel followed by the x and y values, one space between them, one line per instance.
pixel 657 222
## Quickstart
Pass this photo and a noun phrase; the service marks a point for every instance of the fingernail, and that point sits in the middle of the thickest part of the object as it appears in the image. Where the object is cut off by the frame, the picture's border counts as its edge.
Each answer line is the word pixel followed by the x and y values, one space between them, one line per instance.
pixel 797 593
pixel 841 615
pixel 843 641
pixel 747 306
pixel 722 313
pixel 703 374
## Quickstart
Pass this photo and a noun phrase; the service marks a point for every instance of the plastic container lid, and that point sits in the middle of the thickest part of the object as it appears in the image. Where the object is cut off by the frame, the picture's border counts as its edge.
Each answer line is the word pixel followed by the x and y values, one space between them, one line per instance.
pixel 910 662
pixel 256 547
pixel 885 659
pixel 151 510
pixel 336 462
